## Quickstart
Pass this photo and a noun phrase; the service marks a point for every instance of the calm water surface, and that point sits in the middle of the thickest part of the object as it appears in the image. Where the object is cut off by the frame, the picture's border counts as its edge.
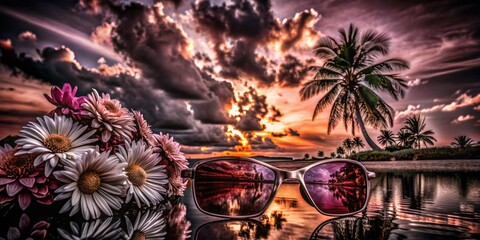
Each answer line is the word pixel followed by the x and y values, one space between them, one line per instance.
pixel 401 206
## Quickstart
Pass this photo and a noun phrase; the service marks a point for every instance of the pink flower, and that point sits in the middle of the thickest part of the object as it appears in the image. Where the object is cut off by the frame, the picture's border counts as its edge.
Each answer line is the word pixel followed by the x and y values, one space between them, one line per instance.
pixel 176 161
pixel 66 102
pixel 19 179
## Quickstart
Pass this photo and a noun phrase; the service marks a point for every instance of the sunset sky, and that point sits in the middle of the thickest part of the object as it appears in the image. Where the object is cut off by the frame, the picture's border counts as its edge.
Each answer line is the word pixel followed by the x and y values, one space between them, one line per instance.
pixel 223 77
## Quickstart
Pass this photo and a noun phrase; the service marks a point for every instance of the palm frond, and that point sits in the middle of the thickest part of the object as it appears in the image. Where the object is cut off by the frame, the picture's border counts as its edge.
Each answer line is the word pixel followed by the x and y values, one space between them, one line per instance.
pixel 314 87
pixel 327 99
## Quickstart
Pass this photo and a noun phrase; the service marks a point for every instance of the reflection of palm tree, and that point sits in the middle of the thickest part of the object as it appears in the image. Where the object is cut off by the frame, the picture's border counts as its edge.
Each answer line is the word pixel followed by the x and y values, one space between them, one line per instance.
pixel 349 77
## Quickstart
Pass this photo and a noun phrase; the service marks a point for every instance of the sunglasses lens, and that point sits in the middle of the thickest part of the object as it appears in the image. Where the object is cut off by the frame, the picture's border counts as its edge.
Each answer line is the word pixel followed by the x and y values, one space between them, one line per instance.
pixel 233 187
pixel 337 187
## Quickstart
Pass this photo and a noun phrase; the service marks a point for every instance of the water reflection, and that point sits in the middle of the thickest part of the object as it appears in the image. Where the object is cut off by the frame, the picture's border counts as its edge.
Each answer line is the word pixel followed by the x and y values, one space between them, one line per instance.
pixel 166 221
pixel 401 206
pixel 233 187
pixel 337 188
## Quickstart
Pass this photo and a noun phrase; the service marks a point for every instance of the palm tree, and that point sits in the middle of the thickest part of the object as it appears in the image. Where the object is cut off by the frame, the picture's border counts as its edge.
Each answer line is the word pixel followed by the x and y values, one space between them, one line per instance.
pixel 462 141
pixel 333 155
pixel 340 151
pixel 320 154
pixel 404 138
pixel 348 145
pixel 306 156
pixel 358 143
pixel 415 126
pixel 350 76
pixel 386 138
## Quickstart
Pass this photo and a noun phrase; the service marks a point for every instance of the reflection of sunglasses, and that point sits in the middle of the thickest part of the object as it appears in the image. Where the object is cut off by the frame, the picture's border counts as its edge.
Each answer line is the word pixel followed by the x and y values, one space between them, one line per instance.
pixel 237 187
pixel 251 229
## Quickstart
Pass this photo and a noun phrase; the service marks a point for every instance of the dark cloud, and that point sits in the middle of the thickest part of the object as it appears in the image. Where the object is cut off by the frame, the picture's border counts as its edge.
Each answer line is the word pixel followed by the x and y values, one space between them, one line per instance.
pixel 276 114
pixel 238 29
pixel 286 132
pixel 291 72
pixel 164 113
pixel 159 47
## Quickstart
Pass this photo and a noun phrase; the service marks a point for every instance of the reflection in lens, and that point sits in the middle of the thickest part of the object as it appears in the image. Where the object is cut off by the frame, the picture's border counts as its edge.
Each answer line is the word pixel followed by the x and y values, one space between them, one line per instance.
pixel 233 187
pixel 337 187
pixel 232 230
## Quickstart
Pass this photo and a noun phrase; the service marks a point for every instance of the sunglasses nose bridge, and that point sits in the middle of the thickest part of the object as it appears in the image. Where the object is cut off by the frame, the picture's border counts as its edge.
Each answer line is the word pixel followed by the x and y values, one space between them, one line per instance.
pixel 291 175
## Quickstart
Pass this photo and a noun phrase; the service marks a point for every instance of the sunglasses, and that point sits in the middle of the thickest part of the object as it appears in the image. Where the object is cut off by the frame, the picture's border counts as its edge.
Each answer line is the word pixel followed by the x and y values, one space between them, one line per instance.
pixel 235 187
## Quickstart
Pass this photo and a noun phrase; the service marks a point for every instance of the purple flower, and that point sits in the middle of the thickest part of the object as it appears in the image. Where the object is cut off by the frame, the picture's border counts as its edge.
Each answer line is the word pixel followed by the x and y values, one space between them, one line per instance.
pixel 66 102
pixel 20 180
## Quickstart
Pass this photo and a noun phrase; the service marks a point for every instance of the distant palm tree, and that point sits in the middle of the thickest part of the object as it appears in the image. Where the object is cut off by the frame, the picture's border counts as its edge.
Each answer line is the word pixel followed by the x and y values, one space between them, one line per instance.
pixel 333 155
pixel 415 126
pixel 462 141
pixel 306 156
pixel 348 145
pixel 386 138
pixel 340 151
pixel 320 154
pixel 350 76
pixel 358 143
pixel 404 138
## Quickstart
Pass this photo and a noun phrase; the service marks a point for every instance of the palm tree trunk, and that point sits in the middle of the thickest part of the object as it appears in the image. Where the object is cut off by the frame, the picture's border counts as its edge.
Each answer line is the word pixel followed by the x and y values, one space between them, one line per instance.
pixel 370 142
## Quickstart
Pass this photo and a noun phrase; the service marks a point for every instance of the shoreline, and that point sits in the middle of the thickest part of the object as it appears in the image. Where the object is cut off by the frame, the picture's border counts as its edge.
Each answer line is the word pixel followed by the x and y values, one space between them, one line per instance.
pixel 464 165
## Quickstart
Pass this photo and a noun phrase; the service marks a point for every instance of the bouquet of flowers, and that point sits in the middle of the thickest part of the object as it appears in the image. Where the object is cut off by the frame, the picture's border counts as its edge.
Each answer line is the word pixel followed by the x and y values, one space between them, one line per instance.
pixel 93 154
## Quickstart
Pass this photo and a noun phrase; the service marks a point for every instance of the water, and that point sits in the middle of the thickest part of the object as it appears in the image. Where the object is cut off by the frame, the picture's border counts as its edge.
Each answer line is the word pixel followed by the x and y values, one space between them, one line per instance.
pixel 401 206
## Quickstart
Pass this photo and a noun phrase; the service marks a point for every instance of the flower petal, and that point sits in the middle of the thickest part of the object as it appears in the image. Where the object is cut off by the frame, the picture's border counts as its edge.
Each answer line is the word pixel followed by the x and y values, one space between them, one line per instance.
pixel 24 200
pixel 13 234
pixel 27 182
pixel 4 181
pixel 14 188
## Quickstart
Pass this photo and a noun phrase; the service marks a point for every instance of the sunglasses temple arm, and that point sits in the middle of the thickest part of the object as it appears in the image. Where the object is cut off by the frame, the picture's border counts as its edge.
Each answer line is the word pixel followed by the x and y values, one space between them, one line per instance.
pixel 370 175
pixel 187 173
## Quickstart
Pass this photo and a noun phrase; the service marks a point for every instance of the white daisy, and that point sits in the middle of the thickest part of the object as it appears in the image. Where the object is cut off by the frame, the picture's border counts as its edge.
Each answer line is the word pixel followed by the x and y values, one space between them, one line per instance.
pixel 93 185
pixel 144 132
pixel 150 225
pixel 109 117
pixel 98 229
pixel 146 178
pixel 55 139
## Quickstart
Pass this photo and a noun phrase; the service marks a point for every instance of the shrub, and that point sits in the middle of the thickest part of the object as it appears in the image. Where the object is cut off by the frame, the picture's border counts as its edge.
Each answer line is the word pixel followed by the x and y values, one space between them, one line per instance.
pixel 440 153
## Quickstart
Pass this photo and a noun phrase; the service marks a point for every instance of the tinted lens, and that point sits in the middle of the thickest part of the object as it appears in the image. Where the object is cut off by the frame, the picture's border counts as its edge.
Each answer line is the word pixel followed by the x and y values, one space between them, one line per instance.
pixel 233 187
pixel 337 187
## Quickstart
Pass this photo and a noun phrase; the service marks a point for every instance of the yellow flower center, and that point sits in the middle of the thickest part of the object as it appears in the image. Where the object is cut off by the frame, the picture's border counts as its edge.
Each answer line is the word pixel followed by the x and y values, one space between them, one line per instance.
pixel 58 143
pixel 136 175
pixel 138 235
pixel 88 182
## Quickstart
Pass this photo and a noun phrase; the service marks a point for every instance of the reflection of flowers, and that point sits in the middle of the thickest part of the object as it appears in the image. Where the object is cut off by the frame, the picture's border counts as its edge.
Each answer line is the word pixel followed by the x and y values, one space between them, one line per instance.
pixel 146 178
pixel 171 150
pixel 54 139
pixel 26 231
pixel 93 184
pixel 109 117
pixel 178 226
pixel 65 101
pixel 149 225
pixel 20 179
pixel 98 229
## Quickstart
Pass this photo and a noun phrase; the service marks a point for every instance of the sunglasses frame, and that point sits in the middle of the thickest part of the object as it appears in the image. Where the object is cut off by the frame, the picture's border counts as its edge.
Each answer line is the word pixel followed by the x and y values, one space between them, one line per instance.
pixel 280 176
